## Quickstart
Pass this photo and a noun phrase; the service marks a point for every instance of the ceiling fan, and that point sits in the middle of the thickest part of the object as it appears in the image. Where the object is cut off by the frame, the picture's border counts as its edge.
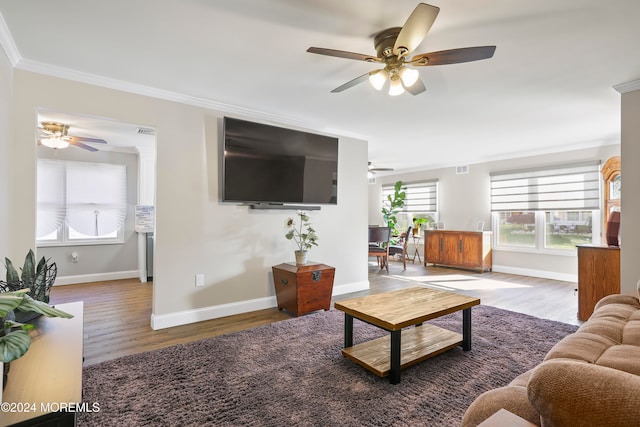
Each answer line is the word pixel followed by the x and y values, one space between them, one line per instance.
pixel 393 47
pixel 373 169
pixel 55 135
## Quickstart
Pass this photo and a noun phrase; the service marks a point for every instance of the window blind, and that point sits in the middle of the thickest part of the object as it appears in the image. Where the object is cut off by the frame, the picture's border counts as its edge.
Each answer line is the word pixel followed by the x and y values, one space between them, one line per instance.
pixel 96 197
pixel 421 196
pixel 91 197
pixel 51 206
pixel 575 187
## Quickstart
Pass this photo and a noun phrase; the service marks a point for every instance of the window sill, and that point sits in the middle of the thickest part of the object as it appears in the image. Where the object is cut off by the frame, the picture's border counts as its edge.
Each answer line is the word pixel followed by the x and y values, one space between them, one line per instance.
pixel 553 252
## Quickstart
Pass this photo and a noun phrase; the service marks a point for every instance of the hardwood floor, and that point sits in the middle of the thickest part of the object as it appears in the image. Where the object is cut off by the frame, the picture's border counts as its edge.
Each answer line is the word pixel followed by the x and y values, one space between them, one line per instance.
pixel 117 313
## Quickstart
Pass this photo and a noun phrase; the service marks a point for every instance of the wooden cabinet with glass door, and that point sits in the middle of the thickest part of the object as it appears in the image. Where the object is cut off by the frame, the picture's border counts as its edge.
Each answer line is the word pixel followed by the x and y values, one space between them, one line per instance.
pixel 612 188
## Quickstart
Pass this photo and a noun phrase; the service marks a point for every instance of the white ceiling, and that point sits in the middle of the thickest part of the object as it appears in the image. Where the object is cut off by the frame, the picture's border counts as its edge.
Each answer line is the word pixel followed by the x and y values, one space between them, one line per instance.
pixel 548 88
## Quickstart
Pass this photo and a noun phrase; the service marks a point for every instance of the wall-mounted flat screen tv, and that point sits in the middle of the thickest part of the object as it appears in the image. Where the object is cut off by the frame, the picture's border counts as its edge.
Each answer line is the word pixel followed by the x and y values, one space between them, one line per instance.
pixel 270 164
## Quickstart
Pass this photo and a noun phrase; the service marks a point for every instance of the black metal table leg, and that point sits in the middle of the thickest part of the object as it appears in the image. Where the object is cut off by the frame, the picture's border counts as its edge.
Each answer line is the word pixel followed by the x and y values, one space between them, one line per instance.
pixel 348 330
pixel 466 329
pixel 394 376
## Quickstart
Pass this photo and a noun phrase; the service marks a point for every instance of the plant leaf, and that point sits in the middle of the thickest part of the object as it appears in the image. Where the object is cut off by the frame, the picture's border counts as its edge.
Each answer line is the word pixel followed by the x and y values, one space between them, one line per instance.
pixel 8 302
pixel 29 304
pixel 14 345
pixel 29 271
pixel 12 275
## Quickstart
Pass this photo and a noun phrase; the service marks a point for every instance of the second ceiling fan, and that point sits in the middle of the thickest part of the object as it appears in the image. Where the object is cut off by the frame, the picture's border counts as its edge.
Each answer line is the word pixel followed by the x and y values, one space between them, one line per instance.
pixel 393 47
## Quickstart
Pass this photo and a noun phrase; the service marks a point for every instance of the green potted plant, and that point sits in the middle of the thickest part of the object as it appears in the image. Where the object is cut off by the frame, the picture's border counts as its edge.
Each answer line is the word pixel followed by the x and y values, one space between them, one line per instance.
pixel 392 206
pixel 303 234
pixel 14 336
pixel 37 278
pixel 417 224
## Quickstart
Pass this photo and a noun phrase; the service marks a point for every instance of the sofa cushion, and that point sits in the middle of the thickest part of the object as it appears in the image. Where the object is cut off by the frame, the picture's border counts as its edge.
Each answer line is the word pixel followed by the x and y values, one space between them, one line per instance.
pixel 622 357
pixel 582 346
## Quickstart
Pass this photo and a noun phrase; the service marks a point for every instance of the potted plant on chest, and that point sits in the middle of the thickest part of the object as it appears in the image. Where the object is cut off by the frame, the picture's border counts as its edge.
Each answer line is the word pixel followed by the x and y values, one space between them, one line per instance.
pixel 303 287
pixel 301 232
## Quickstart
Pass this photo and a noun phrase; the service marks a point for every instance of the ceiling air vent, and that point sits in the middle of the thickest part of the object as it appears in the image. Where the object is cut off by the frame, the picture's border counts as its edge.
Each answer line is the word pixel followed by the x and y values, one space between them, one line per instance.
pixel 145 131
pixel 461 170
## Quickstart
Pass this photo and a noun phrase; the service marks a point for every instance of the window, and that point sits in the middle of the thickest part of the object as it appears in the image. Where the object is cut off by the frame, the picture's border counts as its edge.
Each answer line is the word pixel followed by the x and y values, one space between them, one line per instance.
pixel 546 209
pixel 80 203
pixel 421 201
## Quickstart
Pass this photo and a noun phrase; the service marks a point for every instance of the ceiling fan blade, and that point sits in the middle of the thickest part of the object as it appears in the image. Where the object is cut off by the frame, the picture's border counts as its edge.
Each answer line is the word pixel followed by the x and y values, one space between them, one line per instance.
pixel 416 88
pixel 79 144
pixel 453 56
pixel 351 83
pixel 415 29
pixel 343 54
pixel 73 139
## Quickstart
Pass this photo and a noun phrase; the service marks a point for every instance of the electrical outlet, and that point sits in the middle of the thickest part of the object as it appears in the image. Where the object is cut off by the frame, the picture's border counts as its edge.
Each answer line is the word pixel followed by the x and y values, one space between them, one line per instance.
pixel 199 279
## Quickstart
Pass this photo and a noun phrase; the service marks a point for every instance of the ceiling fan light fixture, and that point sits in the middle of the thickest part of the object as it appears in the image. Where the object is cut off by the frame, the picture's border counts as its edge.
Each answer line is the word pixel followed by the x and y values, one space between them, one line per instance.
pixel 409 76
pixel 395 86
pixel 378 78
pixel 54 142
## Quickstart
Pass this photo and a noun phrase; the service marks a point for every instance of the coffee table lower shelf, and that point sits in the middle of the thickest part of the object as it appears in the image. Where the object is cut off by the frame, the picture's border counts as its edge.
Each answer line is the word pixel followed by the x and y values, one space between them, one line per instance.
pixel 417 344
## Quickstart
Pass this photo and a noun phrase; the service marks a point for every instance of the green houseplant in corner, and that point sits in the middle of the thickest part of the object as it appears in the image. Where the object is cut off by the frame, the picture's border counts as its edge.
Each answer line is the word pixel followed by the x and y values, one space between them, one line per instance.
pixel 392 206
pixel 303 234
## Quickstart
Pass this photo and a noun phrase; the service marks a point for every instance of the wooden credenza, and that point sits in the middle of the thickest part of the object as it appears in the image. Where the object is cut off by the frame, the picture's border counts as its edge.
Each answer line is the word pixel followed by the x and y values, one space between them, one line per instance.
pixel 462 249
pixel 598 276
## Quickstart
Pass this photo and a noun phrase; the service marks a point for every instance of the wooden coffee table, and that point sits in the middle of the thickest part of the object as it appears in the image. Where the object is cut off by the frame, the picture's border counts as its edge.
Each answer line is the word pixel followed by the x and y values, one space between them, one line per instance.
pixel 396 310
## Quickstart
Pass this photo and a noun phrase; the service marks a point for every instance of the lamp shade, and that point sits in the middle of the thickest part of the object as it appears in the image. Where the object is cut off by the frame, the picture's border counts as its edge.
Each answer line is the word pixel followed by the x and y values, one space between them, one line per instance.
pixel 395 86
pixel 409 76
pixel 378 78
pixel 54 142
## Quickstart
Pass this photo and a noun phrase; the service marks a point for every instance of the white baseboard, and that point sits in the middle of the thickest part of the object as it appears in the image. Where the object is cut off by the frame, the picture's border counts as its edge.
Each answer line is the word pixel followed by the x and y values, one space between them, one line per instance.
pixel 97 277
pixel 536 273
pixel 162 321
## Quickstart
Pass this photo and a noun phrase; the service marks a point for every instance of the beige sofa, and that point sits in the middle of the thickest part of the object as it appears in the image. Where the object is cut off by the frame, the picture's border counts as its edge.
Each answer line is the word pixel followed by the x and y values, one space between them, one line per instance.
pixel 589 378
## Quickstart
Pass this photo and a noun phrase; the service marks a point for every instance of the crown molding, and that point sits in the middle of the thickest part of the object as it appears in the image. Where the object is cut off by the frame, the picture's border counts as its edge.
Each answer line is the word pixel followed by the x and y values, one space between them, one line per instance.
pixel 110 83
pixel 7 43
pixel 628 87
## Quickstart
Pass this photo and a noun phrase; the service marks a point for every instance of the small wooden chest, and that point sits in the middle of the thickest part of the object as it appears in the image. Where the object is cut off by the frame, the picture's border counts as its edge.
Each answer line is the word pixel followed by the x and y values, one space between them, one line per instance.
pixel 301 289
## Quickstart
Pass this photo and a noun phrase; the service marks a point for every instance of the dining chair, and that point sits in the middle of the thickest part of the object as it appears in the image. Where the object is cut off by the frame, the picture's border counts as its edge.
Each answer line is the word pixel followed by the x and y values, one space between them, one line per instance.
pixel 401 248
pixel 379 245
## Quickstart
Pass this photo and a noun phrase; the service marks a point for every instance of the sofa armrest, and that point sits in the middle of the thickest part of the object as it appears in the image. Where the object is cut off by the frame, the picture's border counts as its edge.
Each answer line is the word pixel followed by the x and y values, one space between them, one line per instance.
pixel 576 394
pixel 512 398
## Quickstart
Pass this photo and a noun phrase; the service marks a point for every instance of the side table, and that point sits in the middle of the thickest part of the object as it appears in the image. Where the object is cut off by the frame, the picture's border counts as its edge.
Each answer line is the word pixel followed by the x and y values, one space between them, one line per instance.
pixel 301 289
pixel 504 418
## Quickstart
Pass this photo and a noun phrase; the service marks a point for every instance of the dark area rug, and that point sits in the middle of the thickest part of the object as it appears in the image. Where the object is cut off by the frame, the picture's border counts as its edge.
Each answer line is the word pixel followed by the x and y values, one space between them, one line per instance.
pixel 293 373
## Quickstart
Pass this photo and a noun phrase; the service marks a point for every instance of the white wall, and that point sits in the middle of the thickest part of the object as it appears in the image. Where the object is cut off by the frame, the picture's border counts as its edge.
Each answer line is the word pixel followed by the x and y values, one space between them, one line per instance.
pixel 6 80
pixel 233 247
pixel 630 208
pixel 465 199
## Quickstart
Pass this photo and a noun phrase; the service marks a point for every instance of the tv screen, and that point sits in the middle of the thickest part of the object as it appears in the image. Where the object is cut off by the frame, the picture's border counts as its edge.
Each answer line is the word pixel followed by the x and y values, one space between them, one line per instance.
pixel 270 164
